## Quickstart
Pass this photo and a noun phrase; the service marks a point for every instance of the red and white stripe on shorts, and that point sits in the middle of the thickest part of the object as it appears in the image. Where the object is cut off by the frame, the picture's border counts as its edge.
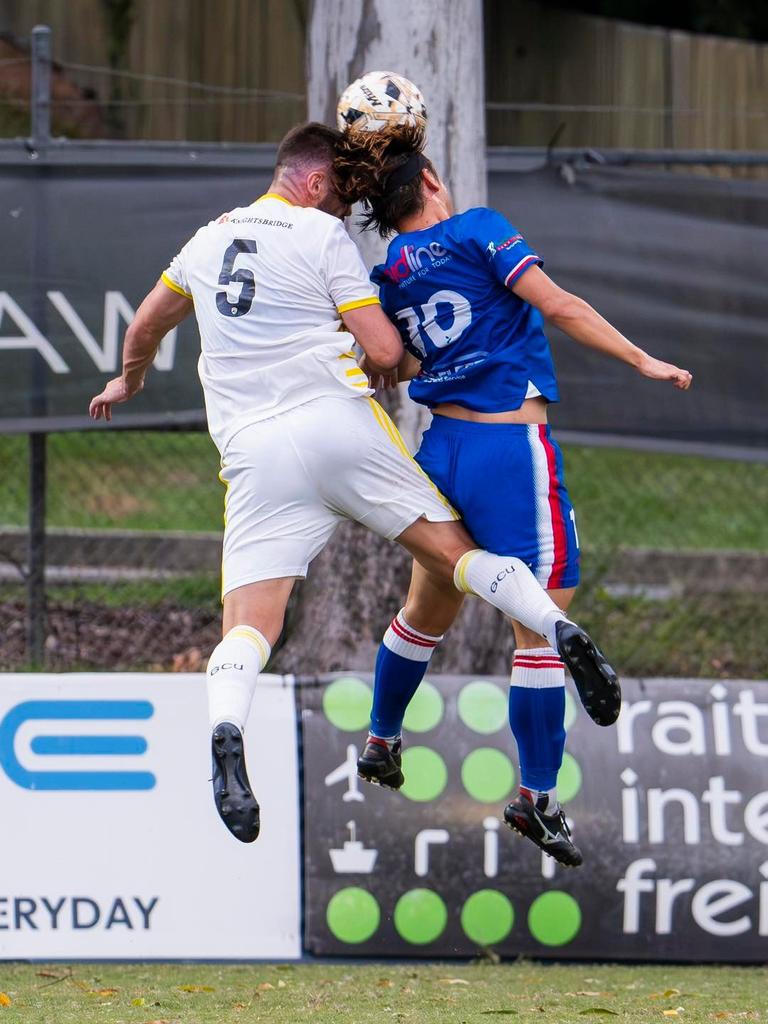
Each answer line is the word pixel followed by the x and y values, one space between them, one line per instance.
pixel 539 668
pixel 550 521
pixel 402 639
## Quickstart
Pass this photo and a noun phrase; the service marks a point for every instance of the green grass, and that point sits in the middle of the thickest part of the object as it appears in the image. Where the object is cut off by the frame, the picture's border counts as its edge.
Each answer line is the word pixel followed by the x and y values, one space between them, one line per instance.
pixel 193 591
pixel 153 481
pixel 707 636
pixel 128 481
pixel 370 994
pixel 642 499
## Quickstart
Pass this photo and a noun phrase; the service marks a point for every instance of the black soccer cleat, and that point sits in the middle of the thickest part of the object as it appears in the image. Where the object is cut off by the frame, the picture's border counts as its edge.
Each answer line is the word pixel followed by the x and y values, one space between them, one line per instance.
pixel 549 832
pixel 236 804
pixel 596 681
pixel 380 765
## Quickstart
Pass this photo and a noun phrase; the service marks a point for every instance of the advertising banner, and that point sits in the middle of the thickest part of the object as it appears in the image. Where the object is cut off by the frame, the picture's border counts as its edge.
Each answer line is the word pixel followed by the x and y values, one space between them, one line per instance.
pixel 83 246
pixel 661 255
pixel 670 809
pixel 112 847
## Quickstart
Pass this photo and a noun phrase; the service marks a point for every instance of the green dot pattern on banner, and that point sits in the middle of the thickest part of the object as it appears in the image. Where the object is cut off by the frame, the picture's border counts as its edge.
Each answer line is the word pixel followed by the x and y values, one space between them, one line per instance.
pixel 420 916
pixel 347 703
pixel 353 915
pixel 554 918
pixel 425 774
pixel 487 775
pixel 425 710
pixel 570 711
pixel 487 917
pixel 568 779
pixel 483 707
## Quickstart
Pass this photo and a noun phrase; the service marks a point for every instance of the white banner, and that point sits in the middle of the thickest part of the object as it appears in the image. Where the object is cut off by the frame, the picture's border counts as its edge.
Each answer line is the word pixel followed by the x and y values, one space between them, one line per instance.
pixel 111 844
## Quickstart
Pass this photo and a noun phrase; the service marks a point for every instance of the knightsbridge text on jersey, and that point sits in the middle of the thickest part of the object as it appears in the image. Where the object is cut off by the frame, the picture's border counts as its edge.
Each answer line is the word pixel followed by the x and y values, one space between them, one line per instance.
pixel 411 260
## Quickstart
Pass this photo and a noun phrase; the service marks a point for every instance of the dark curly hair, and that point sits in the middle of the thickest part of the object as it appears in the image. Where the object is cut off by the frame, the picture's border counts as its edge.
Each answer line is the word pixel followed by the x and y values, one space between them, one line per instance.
pixel 366 170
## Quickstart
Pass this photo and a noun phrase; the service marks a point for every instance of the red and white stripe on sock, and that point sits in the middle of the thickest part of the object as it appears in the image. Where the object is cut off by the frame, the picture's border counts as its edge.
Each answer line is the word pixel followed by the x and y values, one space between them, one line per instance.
pixel 409 643
pixel 537 668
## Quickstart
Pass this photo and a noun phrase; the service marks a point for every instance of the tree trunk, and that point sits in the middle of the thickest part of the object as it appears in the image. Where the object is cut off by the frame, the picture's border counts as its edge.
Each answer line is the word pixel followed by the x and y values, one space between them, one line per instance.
pixel 339 614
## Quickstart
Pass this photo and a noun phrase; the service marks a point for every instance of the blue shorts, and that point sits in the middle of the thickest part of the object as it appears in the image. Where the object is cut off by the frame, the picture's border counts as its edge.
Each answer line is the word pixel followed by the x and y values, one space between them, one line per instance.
pixel 506 481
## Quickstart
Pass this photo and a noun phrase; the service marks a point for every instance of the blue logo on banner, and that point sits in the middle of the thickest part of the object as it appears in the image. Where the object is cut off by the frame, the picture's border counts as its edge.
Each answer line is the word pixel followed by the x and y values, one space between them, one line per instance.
pixel 75 746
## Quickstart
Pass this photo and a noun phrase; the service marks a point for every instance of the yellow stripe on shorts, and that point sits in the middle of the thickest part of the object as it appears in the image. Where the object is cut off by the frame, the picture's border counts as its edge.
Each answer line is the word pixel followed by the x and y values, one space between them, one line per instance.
pixel 387 425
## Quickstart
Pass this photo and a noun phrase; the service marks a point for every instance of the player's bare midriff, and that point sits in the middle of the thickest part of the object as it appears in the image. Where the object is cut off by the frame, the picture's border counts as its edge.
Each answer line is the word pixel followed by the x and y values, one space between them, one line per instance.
pixel 533 410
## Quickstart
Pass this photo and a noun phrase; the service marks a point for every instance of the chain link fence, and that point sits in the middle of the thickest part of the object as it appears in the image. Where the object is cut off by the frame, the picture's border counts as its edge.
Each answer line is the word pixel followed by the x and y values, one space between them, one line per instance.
pixel 674 555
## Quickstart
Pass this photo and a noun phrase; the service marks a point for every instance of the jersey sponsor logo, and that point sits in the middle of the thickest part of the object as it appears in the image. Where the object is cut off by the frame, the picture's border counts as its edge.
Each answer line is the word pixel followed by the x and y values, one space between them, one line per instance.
pixel 492 248
pixel 412 259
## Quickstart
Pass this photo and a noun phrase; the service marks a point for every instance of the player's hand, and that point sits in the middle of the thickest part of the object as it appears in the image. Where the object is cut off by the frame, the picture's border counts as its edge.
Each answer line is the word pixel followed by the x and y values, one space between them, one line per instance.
pixel 655 369
pixel 376 378
pixel 116 391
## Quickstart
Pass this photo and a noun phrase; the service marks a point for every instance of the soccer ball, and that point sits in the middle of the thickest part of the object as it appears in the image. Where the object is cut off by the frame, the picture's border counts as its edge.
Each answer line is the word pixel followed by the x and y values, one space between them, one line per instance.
pixel 380 99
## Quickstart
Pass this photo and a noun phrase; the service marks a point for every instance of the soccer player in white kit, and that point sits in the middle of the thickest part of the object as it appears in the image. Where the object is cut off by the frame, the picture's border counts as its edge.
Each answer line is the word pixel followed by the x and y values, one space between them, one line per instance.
pixel 303 443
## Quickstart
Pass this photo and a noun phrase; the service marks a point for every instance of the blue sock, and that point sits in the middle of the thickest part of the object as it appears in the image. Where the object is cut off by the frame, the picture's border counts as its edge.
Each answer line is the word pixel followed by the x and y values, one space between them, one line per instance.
pixel 536 717
pixel 401 664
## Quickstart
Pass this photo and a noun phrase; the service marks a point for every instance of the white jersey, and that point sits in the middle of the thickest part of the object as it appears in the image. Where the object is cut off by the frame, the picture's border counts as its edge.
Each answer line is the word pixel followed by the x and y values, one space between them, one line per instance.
pixel 269 282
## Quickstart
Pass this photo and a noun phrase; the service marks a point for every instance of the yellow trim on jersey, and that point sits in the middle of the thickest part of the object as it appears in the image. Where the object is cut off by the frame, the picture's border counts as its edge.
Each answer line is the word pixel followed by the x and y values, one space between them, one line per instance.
pixel 348 355
pixel 253 635
pixel 362 379
pixel 372 300
pixel 274 195
pixel 386 424
pixel 170 283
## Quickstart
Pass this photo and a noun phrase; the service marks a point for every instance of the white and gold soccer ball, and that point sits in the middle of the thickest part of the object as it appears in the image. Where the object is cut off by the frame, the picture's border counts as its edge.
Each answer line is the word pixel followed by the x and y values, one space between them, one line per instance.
pixel 380 99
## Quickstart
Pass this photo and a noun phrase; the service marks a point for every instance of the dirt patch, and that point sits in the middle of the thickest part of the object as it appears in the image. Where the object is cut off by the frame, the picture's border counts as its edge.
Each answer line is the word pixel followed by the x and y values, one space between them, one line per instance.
pixel 86 635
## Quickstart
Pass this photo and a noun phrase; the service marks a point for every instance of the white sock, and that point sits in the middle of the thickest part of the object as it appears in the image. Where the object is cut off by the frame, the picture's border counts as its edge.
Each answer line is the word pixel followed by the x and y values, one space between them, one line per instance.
pixel 232 672
pixel 509 585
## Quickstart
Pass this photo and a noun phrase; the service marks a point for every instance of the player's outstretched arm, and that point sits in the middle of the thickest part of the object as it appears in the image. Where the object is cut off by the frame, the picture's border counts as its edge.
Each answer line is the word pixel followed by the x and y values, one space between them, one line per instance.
pixel 159 313
pixel 580 321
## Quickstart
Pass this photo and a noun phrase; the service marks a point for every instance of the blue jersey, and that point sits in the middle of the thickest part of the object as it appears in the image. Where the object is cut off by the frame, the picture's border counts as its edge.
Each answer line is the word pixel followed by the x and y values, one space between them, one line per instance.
pixel 447 288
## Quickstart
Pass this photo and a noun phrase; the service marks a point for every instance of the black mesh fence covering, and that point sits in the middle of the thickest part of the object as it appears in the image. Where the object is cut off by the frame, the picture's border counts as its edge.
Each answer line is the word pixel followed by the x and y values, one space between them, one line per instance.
pixel 674 563
pixel 679 263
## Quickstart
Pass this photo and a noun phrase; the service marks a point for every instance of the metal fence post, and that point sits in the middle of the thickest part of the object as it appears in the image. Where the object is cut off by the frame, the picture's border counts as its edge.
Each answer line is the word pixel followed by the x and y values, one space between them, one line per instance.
pixel 41 86
pixel 40 130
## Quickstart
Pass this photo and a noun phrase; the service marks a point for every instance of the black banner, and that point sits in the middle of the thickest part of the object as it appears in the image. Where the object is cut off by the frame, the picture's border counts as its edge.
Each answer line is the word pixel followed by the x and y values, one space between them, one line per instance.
pixel 676 261
pixel 670 809
pixel 679 264
pixel 81 248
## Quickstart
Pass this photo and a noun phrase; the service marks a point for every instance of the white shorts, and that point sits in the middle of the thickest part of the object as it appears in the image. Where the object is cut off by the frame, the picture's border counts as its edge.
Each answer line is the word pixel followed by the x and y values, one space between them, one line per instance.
pixel 292 478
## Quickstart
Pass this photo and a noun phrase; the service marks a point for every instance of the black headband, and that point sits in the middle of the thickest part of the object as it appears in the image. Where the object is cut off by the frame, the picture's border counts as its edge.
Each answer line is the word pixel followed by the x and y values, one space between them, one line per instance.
pixel 406 172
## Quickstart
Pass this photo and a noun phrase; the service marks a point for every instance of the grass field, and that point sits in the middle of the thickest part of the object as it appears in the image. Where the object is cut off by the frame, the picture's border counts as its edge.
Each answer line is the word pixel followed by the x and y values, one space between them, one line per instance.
pixel 169 482
pixel 372 994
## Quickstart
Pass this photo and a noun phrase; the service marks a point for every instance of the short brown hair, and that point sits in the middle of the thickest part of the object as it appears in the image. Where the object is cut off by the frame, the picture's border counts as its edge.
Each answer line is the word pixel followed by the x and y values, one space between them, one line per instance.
pixel 308 144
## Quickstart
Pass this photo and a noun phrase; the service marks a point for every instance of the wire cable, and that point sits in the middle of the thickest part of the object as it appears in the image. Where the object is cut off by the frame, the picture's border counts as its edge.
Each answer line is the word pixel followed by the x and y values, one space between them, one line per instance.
pixel 140 76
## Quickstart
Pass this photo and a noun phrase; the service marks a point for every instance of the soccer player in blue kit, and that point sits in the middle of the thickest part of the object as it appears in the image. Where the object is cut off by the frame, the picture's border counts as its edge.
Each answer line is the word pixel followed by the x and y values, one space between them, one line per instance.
pixel 470 299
